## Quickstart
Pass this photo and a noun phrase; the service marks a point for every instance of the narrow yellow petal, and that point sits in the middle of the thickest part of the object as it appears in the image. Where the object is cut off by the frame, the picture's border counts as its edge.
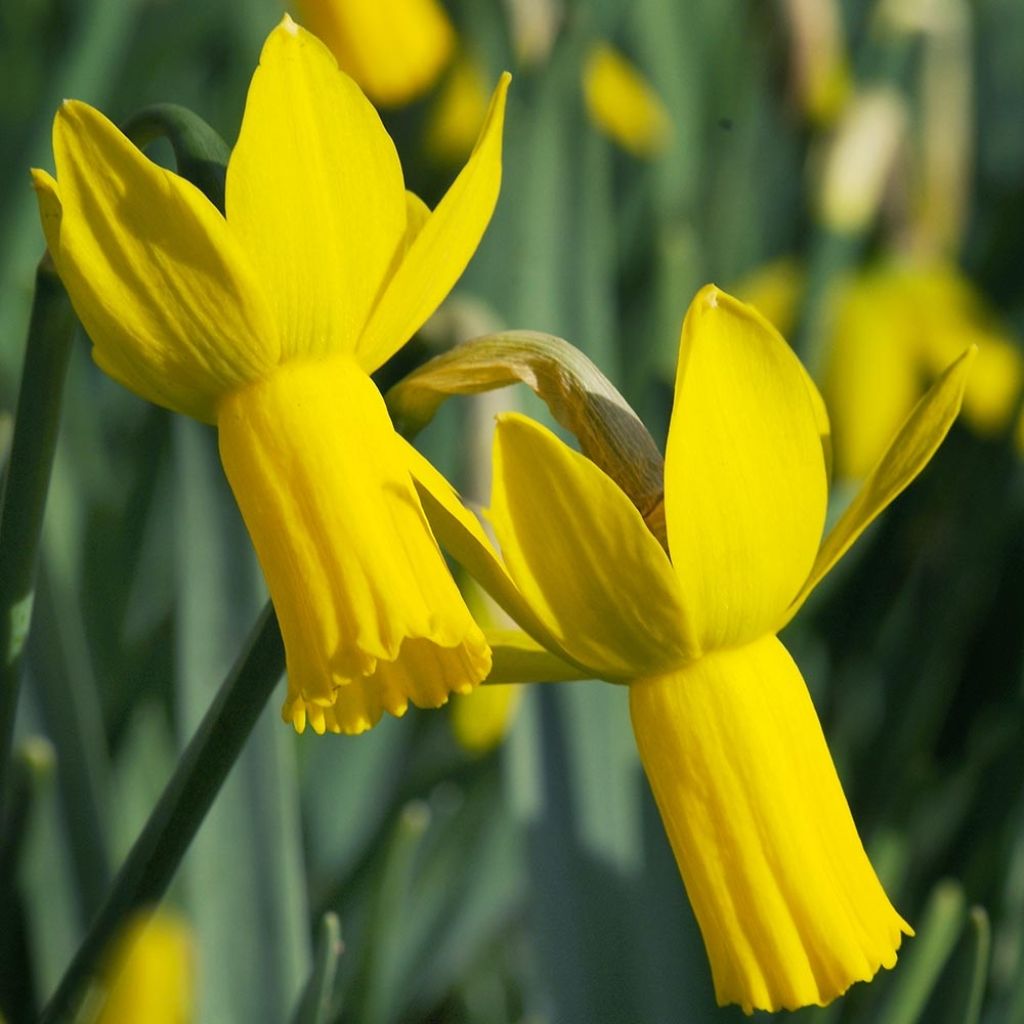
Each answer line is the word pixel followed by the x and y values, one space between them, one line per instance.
pixel 315 193
pixel 517 658
pixel 908 453
pixel 442 248
pixel 359 584
pixel 745 486
pixel 874 372
pixel 394 49
pixel 481 719
pixel 149 973
pixel 623 104
pixel 170 302
pixel 789 906
pixel 462 536
pixel 582 556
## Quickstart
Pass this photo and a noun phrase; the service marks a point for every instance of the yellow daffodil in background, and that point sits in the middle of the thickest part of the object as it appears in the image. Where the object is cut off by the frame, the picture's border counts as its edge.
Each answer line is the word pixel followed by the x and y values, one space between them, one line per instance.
pixel 893 328
pixel 481 719
pixel 619 100
pixel 623 104
pixel 149 974
pixel 458 112
pixel 394 49
pixel 267 323
pixel 789 906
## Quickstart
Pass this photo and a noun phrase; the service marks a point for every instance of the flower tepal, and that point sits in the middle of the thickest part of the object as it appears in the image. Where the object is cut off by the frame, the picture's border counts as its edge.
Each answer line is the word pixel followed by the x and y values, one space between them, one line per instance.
pixel 267 322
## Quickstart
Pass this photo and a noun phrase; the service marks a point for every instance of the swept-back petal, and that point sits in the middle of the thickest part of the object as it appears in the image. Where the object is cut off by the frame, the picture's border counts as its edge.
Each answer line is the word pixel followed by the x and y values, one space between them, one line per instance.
pixel 394 49
pixel 517 658
pixel 583 558
pixel 442 248
pixel 462 536
pixel 370 615
pixel 315 193
pixel 908 453
pixel 745 487
pixel 168 299
pixel 786 899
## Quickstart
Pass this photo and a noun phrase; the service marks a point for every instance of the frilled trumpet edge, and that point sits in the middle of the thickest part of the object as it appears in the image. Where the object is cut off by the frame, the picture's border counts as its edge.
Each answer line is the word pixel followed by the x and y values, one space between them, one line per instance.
pixel 790 909
pixel 370 615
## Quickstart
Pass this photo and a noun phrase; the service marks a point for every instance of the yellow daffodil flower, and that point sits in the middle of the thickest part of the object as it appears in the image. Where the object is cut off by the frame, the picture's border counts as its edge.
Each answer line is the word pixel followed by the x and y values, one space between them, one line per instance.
pixel 267 323
pixel 149 973
pixel 892 330
pixel 394 49
pixel 623 104
pixel 790 908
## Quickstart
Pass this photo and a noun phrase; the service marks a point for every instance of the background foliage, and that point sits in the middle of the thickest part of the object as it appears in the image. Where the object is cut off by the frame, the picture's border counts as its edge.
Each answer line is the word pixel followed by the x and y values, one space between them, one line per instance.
pixel 532 883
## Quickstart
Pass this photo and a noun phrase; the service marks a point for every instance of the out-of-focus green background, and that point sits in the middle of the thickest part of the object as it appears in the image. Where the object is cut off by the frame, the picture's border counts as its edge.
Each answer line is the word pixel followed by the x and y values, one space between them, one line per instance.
pixel 534 882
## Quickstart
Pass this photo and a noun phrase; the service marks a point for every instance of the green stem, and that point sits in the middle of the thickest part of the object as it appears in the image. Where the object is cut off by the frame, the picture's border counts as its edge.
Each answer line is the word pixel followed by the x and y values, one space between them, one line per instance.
pixel 833 255
pixel 51 330
pixel 154 859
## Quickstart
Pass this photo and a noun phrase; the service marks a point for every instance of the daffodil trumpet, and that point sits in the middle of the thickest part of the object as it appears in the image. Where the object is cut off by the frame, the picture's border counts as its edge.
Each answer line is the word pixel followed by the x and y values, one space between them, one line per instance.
pixel 789 906
pixel 267 321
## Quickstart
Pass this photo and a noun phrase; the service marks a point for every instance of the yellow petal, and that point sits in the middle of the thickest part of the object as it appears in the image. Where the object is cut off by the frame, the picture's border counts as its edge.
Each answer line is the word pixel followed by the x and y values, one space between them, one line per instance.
pixel 458 112
pixel 168 299
pixel 359 584
pixel 874 371
pixel 394 49
pixel 481 719
pixel 908 453
pixel 462 536
pixel 583 558
pixel 788 904
pixel 149 973
pixel 315 193
pixel 443 247
pixel 623 104
pixel 745 486
pixel 517 658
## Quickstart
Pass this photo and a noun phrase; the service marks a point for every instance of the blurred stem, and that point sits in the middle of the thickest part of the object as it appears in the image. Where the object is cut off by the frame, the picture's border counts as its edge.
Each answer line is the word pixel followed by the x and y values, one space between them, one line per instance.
pixel 154 859
pixel 833 254
pixel 315 1005
pixel 51 330
pixel 63 681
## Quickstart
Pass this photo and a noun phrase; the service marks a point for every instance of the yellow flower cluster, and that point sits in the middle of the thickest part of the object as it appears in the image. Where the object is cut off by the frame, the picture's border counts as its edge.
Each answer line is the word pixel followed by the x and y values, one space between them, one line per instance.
pixel 267 320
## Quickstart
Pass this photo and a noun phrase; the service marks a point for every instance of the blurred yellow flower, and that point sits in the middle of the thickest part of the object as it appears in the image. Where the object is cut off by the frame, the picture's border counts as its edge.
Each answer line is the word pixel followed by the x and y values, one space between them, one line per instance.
pixel 458 112
pixel 620 102
pixel 623 104
pixel 894 328
pixel 268 322
pixel 149 975
pixel 394 49
pixel 789 906
pixel 481 719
